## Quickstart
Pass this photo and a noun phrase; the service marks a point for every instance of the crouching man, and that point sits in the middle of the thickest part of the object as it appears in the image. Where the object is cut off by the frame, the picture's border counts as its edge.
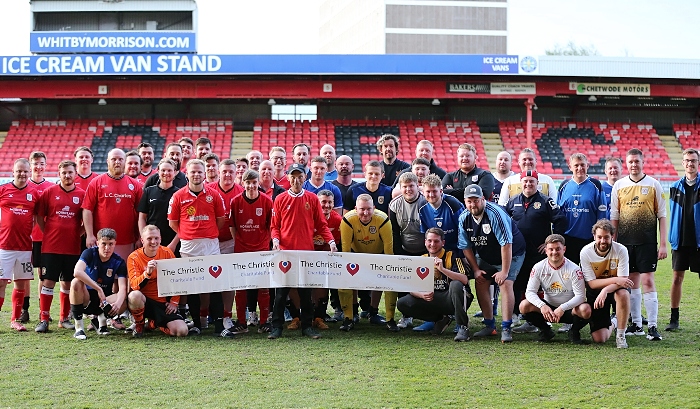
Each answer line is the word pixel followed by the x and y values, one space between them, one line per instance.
pixel 143 300
pixel 91 289
pixel 564 293
pixel 451 294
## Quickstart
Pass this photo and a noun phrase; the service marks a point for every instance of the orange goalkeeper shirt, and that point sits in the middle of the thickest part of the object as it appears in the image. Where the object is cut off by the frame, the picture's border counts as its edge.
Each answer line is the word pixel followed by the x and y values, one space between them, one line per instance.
pixel 136 264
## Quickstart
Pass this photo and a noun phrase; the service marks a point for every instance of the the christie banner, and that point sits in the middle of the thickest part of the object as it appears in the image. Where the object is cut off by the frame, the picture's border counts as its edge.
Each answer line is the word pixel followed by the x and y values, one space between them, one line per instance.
pixel 112 42
pixel 284 268
pixel 162 63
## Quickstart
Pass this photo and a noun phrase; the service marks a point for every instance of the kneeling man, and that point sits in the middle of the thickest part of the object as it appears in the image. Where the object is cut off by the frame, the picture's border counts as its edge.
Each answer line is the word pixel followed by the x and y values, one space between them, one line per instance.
pixel 564 293
pixel 144 301
pixel 451 294
pixel 91 289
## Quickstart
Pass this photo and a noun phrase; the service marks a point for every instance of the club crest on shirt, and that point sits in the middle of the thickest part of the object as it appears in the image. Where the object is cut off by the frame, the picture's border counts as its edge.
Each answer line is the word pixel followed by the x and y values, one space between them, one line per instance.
pixel 439 224
pixel 475 178
pixel 258 211
pixel 131 186
pixel 373 229
pixel 109 272
pixel 307 206
pixel 209 198
pixel 645 190
pixel 486 228
pixel 76 199
pixel 613 264
pixel 29 197
pixel 380 200
pixel 575 202
pixel 537 205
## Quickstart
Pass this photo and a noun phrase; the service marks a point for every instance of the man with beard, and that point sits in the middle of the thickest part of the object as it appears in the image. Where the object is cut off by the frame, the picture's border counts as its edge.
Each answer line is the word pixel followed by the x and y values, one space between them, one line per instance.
pixel 388 147
pixel 504 162
pixel 424 150
pixel 153 207
pixel 146 153
pixel 133 165
pixel 173 152
pixel 211 161
pixel 345 167
pixel 467 174
pixel 187 145
pixel 203 147
pixel 512 187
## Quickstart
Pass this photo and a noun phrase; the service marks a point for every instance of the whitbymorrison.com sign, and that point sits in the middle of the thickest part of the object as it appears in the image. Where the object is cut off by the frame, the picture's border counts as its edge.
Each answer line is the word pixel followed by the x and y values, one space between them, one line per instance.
pixel 312 269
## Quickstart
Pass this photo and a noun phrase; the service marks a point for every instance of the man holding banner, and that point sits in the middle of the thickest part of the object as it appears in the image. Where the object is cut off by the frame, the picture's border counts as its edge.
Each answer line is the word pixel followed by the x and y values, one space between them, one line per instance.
pixel 295 215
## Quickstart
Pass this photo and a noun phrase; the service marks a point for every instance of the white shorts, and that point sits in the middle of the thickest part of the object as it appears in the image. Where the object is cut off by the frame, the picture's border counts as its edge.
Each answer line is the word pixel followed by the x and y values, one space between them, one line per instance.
pixel 16 265
pixel 226 247
pixel 199 247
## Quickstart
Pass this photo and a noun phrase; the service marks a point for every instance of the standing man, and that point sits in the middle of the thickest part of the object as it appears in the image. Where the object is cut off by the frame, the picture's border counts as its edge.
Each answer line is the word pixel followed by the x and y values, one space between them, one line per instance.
pixel 250 224
pixel 388 147
pixel 345 167
pixel 153 207
pixel 512 187
pixel 379 192
pixel 684 232
pixel 301 154
pixel 17 202
pixel 254 159
pixel 605 266
pixel 133 165
pixel 328 153
pixel 91 291
pixel 537 216
pixel 296 215
pixel 420 167
pixel 334 220
pixel 495 249
pixel 143 300
pixel 187 145
pixel 367 230
pixel 317 182
pixel 504 162
pixel 424 150
pixel 441 211
pixel 613 172
pixel 636 204
pixel 564 292
pixel 451 294
pixel 405 221
pixel 467 174
pixel 197 213
pixel 147 155
pixel 59 216
pixel 173 152
pixel 83 157
pixel 241 168
pixel 37 182
pixel 278 157
pixel 583 201
pixel 268 187
pixel 203 147
pixel 110 201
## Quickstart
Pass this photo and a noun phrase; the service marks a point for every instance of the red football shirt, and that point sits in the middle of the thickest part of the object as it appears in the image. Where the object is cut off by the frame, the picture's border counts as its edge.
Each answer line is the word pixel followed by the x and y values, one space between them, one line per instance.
pixel 113 203
pixel 62 213
pixel 334 226
pixel 283 181
pixel 297 219
pixel 16 217
pixel 141 178
pixel 37 235
pixel 252 223
pixel 225 233
pixel 83 182
pixel 197 214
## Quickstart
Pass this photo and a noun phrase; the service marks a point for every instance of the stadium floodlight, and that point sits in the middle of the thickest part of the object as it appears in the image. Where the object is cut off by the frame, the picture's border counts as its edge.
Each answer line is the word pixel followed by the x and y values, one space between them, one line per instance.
pixel 592 98
pixel 102 101
pixel 271 101
pixel 436 102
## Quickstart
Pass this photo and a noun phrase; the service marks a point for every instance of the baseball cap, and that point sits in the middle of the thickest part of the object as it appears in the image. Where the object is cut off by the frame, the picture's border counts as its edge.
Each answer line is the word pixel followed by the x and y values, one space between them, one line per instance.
pixel 295 167
pixel 528 173
pixel 473 191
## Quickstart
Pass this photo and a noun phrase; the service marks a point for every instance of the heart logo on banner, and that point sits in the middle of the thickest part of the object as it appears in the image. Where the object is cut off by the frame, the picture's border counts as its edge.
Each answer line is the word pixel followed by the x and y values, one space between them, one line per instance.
pixel 422 272
pixel 215 271
pixel 285 266
pixel 353 268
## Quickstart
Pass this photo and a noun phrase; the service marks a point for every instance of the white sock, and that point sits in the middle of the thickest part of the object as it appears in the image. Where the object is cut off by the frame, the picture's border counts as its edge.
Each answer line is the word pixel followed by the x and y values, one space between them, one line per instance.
pixel 621 332
pixel 79 325
pixel 636 306
pixel 102 320
pixel 651 303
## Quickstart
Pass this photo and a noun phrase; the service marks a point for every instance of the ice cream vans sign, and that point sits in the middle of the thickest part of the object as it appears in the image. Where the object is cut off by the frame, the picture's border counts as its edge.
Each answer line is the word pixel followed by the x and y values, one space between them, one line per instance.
pixel 500 63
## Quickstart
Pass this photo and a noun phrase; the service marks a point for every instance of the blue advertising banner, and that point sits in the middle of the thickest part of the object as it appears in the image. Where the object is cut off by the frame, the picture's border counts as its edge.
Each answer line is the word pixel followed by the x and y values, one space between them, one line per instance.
pixel 189 64
pixel 70 42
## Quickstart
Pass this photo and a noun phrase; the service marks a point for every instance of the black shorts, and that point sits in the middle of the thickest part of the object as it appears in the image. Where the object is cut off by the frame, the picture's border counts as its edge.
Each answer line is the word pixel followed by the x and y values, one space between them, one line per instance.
pixel 37 262
pixel 643 257
pixel 94 305
pixel 155 311
pixel 600 317
pixel 58 266
pixel 574 245
pixel 567 318
pixel 686 258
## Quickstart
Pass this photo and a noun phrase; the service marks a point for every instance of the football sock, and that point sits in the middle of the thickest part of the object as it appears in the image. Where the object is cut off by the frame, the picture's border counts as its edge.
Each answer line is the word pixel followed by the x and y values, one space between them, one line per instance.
pixel 241 304
pixel 651 303
pixel 345 297
pixel 64 299
pixel 537 319
pixel 17 300
pixel 25 304
pixel 252 297
pixel 390 298
pixel 264 303
pixel 45 300
pixel 321 307
pixel 578 323
pixel 78 316
pixel 2 301
pixel 636 306
pixel 490 323
pixel 506 324
pixel 621 332
pixel 675 313
pixel 102 320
